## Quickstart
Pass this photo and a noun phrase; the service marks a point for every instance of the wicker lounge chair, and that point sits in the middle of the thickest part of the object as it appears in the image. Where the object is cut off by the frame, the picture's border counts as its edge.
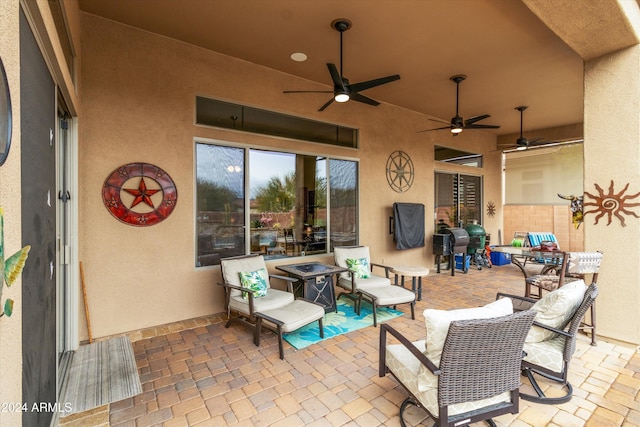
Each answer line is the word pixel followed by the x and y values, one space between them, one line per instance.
pixel 478 376
pixel 549 349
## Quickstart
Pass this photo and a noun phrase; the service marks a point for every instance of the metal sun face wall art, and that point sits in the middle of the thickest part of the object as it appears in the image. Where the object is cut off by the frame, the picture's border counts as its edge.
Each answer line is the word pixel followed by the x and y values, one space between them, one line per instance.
pixel 139 194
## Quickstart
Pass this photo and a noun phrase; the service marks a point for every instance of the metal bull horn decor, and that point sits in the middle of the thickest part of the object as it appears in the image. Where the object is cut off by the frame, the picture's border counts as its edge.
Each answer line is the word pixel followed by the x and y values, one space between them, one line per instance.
pixel 576 208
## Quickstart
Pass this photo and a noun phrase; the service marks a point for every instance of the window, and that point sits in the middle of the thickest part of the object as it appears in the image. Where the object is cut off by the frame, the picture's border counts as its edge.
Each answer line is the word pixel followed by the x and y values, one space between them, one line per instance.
pixel 211 112
pixel 275 203
pixel 458 200
pixel 451 155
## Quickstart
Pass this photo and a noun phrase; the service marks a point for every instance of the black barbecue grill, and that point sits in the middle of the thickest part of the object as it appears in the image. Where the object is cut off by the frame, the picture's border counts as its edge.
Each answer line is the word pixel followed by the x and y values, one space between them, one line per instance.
pixel 450 242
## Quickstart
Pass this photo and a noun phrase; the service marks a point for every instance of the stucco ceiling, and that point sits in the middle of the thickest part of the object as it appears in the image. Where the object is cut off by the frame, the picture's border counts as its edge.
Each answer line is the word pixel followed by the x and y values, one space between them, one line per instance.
pixel 509 56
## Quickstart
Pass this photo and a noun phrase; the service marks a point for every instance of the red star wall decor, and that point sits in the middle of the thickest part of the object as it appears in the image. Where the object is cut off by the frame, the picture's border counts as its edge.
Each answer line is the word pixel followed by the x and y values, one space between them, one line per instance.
pixel 139 194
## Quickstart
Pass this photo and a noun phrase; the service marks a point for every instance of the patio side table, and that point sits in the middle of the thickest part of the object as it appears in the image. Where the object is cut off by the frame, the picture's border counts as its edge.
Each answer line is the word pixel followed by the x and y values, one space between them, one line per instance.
pixel 415 272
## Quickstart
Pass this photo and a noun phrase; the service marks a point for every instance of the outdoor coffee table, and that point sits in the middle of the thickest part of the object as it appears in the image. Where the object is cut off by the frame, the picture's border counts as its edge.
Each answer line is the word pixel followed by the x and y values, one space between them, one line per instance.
pixel 317 281
pixel 415 272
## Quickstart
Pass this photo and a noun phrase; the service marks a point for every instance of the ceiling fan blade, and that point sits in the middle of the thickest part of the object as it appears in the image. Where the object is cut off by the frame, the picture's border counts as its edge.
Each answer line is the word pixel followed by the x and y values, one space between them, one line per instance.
pixel 355 96
pixel 439 120
pixel 307 91
pixel 474 119
pixel 335 76
pixel 474 126
pixel 357 87
pixel 429 130
pixel 326 105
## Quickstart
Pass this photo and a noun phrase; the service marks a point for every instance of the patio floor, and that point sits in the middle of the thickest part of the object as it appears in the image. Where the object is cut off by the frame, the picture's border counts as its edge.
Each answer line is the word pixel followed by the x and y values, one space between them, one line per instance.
pixel 197 373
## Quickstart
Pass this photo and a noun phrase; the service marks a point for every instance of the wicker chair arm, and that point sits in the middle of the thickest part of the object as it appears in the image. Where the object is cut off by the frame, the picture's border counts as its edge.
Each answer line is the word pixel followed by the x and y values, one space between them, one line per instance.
pixel 384 328
pixel 552 329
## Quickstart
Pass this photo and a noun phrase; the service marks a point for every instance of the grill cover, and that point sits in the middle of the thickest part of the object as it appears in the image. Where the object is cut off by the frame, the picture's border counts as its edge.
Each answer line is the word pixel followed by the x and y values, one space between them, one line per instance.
pixel 459 240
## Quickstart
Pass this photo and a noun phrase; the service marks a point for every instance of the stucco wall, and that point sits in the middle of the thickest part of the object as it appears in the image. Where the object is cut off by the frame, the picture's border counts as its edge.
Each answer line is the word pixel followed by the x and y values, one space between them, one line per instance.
pixel 11 328
pixel 138 106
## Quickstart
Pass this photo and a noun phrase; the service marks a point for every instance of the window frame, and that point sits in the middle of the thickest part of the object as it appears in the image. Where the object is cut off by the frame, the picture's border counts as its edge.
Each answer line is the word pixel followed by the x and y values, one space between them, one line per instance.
pixel 247 192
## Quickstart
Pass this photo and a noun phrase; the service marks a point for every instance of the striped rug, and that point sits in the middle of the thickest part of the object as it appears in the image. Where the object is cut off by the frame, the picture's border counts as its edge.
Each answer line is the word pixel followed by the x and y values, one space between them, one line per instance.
pixel 100 373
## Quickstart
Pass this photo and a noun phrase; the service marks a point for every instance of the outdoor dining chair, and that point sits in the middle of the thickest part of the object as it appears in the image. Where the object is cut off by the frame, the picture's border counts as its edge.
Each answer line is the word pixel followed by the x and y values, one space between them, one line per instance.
pixel 574 266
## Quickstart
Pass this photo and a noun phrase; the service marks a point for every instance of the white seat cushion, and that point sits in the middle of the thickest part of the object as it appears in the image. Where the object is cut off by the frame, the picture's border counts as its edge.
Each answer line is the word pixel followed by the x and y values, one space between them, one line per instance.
pixel 555 308
pixel 437 323
pixel 341 255
pixel 546 353
pixel 232 268
pixel 390 295
pixel 275 298
pixel 296 314
pixel 374 281
pixel 406 367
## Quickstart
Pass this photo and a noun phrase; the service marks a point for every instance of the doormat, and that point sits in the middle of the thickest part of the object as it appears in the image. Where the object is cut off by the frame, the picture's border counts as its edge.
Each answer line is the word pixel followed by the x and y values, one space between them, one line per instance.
pixel 100 373
pixel 337 323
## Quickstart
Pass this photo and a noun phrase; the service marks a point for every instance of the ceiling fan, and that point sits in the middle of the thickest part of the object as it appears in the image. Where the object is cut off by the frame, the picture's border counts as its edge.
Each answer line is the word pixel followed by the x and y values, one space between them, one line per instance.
pixel 457 122
pixel 344 91
pixel 523 143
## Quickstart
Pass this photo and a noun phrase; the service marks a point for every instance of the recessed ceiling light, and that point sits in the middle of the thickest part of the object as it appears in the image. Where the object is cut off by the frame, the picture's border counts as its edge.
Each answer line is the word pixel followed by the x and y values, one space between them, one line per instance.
pixel 298 56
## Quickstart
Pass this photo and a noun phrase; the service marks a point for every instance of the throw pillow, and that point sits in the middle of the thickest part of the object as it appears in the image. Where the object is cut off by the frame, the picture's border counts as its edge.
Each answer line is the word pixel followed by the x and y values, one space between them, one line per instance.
pixel 359 267
pixel 437 323
pixel 555 308
pixel 256 281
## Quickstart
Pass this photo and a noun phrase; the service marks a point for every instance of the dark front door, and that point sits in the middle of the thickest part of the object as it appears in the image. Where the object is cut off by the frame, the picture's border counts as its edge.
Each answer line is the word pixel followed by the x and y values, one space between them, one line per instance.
pixel 38 188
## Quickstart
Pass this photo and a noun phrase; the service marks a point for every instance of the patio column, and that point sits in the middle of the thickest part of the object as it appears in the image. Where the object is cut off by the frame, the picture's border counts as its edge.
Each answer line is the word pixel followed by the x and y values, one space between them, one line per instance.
pixel 605 35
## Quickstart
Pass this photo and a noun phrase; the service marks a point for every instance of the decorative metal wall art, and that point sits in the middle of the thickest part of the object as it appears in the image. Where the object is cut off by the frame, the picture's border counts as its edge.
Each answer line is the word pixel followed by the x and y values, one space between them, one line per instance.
pixel 10 268
pixel 139 194
pixel 399 171
pixel 491 209
pixel 576 209
pixel 611 204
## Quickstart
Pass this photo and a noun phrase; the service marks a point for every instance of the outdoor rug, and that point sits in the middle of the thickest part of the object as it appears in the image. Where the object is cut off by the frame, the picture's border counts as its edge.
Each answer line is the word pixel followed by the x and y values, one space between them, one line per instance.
pixel 337 323
pixel 100 373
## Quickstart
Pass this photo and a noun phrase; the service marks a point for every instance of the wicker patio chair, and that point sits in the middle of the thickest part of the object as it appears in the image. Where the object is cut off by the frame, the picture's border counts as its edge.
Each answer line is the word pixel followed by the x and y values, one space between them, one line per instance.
pixel 478 376
pixel 549 349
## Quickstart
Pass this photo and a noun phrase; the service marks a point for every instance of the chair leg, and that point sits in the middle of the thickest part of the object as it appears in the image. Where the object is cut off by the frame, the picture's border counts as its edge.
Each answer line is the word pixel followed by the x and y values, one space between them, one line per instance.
pixel 408 401
pixel 593 323
pixel 373 308
pixel 541 397
pixel 413 311
pixel 280 347
pixel 321 327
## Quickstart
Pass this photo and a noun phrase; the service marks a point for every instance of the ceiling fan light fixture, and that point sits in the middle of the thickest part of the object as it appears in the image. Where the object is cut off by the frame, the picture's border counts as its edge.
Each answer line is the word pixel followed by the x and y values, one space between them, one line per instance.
pixel 341 97
pixel 456 130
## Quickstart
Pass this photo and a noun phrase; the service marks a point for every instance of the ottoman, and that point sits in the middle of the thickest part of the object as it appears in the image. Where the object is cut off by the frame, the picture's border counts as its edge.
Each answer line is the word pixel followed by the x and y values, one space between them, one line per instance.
pixel 290 317
pixel 385 296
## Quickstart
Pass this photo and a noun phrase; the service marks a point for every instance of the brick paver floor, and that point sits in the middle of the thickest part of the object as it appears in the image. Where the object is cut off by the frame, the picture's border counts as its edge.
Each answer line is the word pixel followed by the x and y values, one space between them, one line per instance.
pixel 198 373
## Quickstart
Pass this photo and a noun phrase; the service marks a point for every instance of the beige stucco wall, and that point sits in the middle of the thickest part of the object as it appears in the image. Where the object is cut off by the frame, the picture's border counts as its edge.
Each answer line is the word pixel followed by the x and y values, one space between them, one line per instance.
pixel 11 328
pixel 138 106
pixel 612 96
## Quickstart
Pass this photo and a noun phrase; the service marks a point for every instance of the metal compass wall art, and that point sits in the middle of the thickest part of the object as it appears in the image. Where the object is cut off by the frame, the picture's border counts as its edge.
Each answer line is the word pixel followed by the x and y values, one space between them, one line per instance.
pixel 399 171
pixel 610 204
pixel 139 194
